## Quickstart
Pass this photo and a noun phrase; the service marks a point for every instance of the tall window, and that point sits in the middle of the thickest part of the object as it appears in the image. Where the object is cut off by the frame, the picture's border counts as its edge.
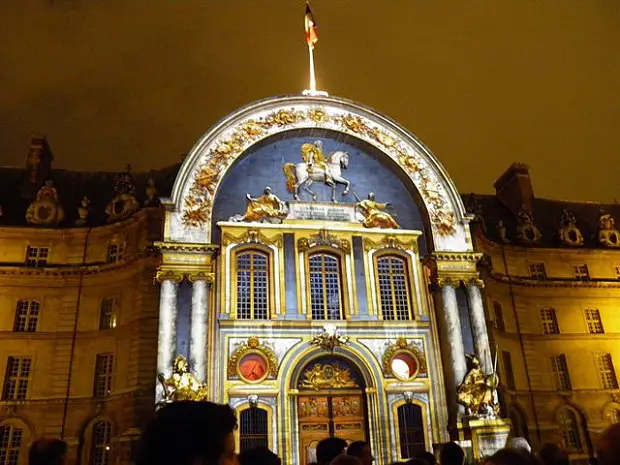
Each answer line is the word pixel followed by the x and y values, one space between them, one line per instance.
pixel 538 271
pixel 100 453
pixel 106 313
pixel 595 324
pixel 26 316
pixel 393 288
pixel 253 429
pixel 508 373
pixel 16 378
pixel 10 444
pixel 252 285
pixel 115 253
pixel 325 296
pixel 606 372
pixel 561 377
pixel 581 272
pixel 36 256
pixel 410 430
pixel 549 321
pixel 103 375
pixel 498 315
pixel 569 424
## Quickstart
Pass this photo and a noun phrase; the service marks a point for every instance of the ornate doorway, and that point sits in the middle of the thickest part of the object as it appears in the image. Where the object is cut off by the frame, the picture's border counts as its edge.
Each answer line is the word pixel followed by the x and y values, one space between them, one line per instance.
pixel 331 403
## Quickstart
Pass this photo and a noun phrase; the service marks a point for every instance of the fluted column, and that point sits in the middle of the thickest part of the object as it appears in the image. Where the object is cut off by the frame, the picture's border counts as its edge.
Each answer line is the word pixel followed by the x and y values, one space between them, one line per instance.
pixel 452 322
pixel 167 340
pixel 479 326
pixel 200 310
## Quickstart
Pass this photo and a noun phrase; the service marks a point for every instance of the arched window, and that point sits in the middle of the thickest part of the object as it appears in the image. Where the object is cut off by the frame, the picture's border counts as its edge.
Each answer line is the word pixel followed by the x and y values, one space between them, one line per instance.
pixel 394 296
pixel 252 285
pixel 253 429
pixel 10 444
pixel 570 427
pixel 100 451
pixel 27 316
pixel 614 415
pixel 325 286
pixel 410 430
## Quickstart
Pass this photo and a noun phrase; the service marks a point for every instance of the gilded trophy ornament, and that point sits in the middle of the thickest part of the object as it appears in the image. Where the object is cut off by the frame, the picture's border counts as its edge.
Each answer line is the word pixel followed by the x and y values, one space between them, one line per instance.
pixel 328 376
pixel 323 239
pixel 46 209
pixel 329 338
pixel 267 208
pixel 373 215
pixel 478 391
pixel 568 232
pixel 182 385
pixel 608 235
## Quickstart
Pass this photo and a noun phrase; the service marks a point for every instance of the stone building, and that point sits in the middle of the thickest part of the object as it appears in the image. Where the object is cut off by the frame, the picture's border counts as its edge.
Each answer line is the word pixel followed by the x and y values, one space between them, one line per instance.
pixel 552 281
pixel 310 317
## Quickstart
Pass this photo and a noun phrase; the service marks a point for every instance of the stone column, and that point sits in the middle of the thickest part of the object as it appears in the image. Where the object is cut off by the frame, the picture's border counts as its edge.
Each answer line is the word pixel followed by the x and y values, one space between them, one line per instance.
pixel 200 311
pixel 167 340
pixel 452 325
pixel 479 326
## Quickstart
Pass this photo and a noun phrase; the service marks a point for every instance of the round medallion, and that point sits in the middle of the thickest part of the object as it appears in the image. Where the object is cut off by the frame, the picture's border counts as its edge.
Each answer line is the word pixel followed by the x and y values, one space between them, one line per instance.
pixel 404 366
pixel 253 368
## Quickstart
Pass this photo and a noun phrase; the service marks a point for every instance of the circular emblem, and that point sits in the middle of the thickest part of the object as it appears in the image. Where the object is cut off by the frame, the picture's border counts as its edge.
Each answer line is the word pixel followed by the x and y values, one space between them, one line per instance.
pixel 253 368
pixel 404 366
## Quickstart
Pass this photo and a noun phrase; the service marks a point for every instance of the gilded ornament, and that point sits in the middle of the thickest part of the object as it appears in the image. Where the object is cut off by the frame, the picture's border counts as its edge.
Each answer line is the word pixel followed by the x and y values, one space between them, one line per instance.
pixel 608 235
pixel 478 391
pixel 373 216
pixel 402 346
pixel 182 385
pixel 329 338
pixel 390 242
pixel 46 209
pixel 383 137
pixel 169 275
pixel 354 123
pixel 410 163
pixel 252 236
pixel 284 117
pixel 323 239
pixel 317 115
pixel 443 221
pixel 328 376
pixel 252 345
pixel 569 233
pixel 252 128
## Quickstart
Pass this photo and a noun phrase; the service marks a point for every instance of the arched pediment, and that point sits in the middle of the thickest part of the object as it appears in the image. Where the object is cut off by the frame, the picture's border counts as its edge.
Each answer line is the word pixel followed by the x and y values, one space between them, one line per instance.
pixel 198 181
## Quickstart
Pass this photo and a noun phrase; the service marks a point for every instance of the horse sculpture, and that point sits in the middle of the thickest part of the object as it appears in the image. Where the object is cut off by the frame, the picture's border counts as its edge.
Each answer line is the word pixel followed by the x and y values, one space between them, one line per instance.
pixel 299 177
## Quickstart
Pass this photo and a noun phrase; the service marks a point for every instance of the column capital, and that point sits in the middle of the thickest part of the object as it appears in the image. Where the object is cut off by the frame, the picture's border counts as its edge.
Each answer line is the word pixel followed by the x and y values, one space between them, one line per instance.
pixel 479 283
pixel 208 278
pixel 443 281
pixel 168 275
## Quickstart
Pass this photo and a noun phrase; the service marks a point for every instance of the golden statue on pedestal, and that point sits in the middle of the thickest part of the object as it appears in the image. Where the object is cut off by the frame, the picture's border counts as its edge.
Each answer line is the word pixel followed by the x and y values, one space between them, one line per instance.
pixel 313 157
pixel 477 392
pixel 373 216
pixel 182 385
pixel 267 208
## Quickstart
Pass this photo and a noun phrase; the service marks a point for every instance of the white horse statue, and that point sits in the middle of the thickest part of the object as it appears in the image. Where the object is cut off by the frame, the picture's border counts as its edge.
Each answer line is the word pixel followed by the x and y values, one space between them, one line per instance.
pixel 298 177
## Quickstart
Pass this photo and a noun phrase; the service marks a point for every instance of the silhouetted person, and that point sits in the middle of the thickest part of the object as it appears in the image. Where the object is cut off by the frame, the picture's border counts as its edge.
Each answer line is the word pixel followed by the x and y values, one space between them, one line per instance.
pixel 428 457
pixel 608 447
pixel 552 454
pixel 344 459
pixel 416 461
pixel 259 456
pixel 47 452
pixel 361 450
pixel 520 445
pixel 327 450
pixel 510 457
pixel 189 433
pixel 452 454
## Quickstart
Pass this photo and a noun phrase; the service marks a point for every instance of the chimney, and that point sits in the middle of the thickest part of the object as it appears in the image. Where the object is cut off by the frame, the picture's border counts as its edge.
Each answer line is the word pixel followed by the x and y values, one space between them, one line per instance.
pixel 514 188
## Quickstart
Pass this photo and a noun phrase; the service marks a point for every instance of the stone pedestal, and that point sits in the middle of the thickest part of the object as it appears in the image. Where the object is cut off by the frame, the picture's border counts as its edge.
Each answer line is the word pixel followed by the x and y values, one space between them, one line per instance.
pixel 487 435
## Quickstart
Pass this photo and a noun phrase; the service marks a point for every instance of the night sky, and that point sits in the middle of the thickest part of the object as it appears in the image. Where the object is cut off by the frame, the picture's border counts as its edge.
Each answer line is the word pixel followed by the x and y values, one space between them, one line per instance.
pixel 482 83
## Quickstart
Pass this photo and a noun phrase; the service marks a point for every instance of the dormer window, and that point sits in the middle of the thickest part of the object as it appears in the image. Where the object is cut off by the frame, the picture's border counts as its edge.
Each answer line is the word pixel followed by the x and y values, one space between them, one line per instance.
pixel 116 253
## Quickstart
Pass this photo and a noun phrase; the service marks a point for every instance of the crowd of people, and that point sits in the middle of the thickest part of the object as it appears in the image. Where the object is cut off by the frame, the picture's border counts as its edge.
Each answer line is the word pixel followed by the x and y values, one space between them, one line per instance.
pixel 202 433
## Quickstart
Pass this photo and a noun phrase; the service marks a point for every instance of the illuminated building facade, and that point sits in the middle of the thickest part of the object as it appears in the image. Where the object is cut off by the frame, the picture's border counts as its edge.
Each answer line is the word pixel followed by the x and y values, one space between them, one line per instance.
pixel 310 317
pixel 552 281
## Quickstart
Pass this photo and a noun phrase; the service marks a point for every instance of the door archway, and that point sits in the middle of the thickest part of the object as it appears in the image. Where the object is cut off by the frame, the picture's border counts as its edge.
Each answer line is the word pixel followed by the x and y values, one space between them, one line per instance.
pixel 331 402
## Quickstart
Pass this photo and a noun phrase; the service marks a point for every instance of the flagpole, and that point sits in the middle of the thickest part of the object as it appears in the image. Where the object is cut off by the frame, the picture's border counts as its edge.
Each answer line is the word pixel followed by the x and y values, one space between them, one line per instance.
pixel 312 76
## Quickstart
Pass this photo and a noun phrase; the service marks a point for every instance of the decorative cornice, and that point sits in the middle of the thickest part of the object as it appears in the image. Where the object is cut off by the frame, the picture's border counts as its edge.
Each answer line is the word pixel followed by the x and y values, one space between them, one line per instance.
pixel 390 242
pixel 550 282
pixel 251 236
pixel 186 247
pixel 456 256
pixel 178 275
pixel 323 239
pixel 169 275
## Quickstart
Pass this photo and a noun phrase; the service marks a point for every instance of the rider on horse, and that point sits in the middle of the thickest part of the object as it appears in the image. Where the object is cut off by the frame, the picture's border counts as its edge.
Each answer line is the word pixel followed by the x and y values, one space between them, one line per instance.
pixel 312 155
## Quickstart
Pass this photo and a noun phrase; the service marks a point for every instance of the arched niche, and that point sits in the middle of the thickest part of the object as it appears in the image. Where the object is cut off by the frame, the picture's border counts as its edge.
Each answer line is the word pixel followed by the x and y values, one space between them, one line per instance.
pixel 190 209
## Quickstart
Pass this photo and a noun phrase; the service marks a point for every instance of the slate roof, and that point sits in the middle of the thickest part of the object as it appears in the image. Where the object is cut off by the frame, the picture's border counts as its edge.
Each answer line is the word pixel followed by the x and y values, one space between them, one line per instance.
pixel 547 214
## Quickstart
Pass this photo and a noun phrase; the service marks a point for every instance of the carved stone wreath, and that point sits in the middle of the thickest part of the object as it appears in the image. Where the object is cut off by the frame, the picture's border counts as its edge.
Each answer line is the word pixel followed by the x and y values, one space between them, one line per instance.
pixel 253 345
pixel 400 346
pixel 198 200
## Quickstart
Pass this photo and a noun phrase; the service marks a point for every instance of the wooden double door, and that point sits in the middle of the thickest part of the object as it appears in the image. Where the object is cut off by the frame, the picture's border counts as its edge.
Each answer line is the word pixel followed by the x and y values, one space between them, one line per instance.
pixel 336 414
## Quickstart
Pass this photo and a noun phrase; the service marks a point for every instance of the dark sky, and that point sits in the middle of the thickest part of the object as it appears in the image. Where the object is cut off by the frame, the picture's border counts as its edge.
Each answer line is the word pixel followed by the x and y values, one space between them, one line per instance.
pixel 482 83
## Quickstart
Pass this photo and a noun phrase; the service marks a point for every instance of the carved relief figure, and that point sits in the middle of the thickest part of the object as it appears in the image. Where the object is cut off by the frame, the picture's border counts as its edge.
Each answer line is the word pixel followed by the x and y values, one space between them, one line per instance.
pixel 83 212
pixel 608 235
pixel 46 209
pixel 477 391
pixel 124 204
pixel 568 232
pixel 151 193
pixel 182 385
pixel 317 167
pixel 33 163
pixel 373 216
pixel 267 208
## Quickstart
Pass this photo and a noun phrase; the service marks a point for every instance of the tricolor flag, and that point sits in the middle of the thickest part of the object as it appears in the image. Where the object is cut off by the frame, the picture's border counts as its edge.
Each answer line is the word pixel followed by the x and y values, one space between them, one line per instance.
pixel 310 26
